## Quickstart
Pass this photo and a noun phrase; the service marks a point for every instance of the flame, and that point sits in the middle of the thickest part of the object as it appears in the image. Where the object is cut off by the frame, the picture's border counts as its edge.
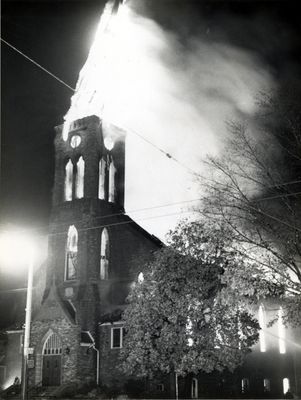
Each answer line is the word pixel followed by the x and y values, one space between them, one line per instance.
pixel 97 76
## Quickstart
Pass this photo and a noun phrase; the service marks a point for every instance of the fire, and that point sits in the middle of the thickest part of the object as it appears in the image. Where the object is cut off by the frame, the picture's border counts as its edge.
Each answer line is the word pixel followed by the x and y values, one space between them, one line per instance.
pixel 99 75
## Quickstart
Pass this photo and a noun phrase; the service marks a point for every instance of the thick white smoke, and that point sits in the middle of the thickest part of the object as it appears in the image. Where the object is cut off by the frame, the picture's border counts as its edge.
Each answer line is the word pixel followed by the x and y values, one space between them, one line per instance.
pixel 177 97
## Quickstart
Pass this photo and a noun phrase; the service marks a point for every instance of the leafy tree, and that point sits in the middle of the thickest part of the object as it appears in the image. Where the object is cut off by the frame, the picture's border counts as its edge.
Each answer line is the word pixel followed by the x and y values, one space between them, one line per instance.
pixel 178 319
pixel 254 189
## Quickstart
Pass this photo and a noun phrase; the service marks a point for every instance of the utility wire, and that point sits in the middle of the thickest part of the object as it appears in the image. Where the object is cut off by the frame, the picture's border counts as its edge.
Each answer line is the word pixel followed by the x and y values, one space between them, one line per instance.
pixel 275 218
pixel 125 222
pixel 168 155
pixel 130 211
pixel 37 64
pixel 137 210
pixel 162 206
pixel 285 339
pixel 277 196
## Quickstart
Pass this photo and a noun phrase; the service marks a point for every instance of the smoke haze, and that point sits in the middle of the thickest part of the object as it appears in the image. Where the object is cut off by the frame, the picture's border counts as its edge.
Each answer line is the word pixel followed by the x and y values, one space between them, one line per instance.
pixel 178 97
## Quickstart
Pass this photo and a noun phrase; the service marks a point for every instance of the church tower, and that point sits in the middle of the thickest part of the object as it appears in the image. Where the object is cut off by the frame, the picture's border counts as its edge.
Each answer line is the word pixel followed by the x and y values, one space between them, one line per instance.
pixel 93 251
pixel 94 247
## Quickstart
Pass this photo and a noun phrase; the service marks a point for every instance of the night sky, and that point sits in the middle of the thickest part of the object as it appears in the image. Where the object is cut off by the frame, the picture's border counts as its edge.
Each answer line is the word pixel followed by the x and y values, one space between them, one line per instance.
pixel 58 35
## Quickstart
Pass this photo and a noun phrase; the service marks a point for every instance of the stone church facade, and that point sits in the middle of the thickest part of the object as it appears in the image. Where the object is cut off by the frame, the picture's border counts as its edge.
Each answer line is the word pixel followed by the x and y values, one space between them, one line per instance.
pixel 94 251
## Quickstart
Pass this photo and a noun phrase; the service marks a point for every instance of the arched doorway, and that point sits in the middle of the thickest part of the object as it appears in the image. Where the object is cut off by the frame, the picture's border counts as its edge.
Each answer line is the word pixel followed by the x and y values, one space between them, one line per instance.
pixel 52 355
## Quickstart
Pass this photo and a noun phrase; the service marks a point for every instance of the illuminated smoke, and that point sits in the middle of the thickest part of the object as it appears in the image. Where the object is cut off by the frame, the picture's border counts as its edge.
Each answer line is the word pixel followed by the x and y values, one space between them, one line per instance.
pixel 139 77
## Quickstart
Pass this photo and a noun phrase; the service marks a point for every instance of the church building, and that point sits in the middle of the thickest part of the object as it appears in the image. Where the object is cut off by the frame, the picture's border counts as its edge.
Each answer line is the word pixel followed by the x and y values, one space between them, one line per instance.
pixel 94 255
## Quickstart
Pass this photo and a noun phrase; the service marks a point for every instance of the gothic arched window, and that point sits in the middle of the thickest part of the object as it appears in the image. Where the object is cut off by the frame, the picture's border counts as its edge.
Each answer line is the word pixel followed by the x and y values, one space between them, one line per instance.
pixel 53 345
pixel 104 255
pixel 112 188
pixel 101 179
pixel 194 388
pixel 79 178
pixel 286 385
pixel 68 181
pixel 71 254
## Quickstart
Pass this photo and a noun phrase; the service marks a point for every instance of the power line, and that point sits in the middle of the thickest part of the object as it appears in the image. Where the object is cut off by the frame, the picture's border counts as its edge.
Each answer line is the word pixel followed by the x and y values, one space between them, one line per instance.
pixel 278 196
pixel 132 211
pixel 137 210
pixel 37 64
pixel 275 218
pixel 163 206
pixel 168 155
pixel 124 222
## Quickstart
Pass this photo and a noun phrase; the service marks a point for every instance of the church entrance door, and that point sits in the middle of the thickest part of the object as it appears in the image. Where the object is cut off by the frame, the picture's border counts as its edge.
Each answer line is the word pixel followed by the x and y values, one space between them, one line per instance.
pixel 51 370
pixel 52 360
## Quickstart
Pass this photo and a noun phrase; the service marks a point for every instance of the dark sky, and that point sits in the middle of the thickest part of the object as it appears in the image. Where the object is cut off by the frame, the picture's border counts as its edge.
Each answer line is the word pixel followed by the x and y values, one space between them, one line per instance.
pixel 58 34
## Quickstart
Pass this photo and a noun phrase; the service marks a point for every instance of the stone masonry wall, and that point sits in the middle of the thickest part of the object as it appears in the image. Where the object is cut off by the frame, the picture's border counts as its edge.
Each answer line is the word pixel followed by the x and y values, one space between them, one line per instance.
pixel 70 338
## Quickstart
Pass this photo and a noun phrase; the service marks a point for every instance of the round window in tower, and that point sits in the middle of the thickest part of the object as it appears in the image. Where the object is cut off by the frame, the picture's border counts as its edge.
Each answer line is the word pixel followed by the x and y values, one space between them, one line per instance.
pixel 109 143
pixel 75 141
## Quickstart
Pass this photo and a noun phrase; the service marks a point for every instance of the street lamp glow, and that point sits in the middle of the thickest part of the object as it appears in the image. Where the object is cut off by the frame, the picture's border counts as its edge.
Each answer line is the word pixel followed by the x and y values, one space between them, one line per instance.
pixel 16 249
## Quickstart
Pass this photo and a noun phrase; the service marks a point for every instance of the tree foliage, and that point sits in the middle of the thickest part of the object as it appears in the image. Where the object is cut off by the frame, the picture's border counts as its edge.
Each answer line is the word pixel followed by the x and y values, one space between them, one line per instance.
pixel 178 318
pixel 255 190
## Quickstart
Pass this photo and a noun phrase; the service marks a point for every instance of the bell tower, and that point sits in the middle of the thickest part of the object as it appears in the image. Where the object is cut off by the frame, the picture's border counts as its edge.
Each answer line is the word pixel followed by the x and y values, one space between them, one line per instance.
pixel 89 164
pixel 88 196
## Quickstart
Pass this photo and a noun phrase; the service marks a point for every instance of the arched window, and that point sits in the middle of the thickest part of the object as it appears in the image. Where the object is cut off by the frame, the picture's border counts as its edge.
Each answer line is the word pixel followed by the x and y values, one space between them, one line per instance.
pixel 104 255
pixel 245 385
pixel 281 332
pixel 112 188
pixel 79 179
pixel 101 179
pixel 262 324
pixel 266 385
pixel 194 388
pixel 68 181
pixel 71 254
pixel 53 345
pixel 286 385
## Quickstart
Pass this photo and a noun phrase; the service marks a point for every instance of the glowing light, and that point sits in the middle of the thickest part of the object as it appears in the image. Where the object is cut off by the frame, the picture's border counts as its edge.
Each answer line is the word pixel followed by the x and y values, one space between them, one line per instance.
pixel 244 385
pixel 79 182
pixel 72 239
pixel 68 180
pixel 140 277
pixel 16 248
pixel 281 332
pixel 75 141
pixel 266 385
pixel 262 324
pixel 104 255
pixel 286 385
pixel 112 189
pixel 101 179
pixel 109 143
pixel 98 81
